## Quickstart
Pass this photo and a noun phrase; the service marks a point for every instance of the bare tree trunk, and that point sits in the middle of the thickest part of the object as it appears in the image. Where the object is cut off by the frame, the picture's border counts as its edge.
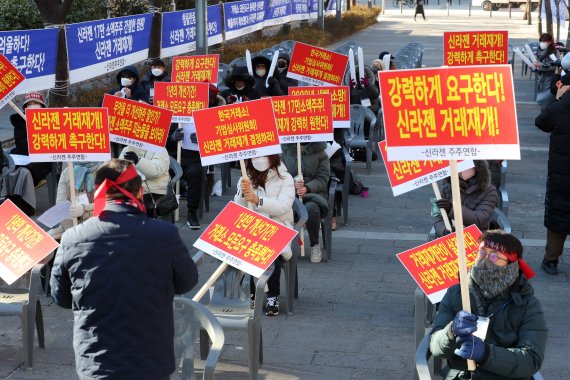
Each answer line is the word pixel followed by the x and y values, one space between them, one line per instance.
pixel 557 5
pixel 568 35
pixel 548 14
pixel 155 30
pixel 53 13
pixel 540 17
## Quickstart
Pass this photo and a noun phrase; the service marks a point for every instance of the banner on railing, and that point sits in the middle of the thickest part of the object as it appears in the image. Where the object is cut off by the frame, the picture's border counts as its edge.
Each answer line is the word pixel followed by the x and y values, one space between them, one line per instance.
pixel 68 134
pixel 97 47
pixel 277 12
pixel 243 17
pixel 179 30
pixel 300 10
pixel 33 53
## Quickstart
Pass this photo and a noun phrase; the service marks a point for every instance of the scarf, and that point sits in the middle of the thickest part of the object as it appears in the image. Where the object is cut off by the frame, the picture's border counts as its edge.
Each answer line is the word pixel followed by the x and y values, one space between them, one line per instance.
pixel 492 280
pixel 100 199
pixel 84 174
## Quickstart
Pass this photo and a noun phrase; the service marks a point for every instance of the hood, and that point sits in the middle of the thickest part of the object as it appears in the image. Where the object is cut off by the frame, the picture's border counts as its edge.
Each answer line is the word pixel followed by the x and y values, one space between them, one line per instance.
pixel 483 176
pixel 239 72
pixel 316 147
pixel 260 59
pixel 285 56
pixel 131 69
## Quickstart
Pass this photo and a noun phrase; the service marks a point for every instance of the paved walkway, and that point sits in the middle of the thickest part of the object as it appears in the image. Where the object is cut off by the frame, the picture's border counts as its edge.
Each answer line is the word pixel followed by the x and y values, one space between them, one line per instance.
pixel 354 317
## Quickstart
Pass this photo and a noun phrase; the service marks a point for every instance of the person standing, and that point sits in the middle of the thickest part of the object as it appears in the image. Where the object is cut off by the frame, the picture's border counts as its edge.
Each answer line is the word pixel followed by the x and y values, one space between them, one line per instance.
pixel 157 73
pixel 420 9
pixel 554 120
pixel 119 272
pixel 545 54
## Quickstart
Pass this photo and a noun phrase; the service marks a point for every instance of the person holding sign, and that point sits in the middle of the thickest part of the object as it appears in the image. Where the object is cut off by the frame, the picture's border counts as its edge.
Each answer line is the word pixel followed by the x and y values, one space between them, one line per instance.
pixel 312 187
pixel 262 76
pixel 478 198
pixel 240 86
pixel 129 85
pixel 157 73
pixel 506 335
pixel 271 190
pixel 545 54
pixel 281 74
pixel 119 272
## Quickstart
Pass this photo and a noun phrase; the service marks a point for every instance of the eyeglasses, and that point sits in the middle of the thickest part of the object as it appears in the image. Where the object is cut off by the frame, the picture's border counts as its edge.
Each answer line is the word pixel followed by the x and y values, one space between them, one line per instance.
pixel 493 256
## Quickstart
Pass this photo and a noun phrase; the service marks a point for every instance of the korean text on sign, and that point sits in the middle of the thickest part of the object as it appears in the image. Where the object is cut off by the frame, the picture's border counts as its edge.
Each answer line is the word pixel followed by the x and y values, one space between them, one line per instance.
pixel 454 113
pixel 23 243
pixel 10 78
pixel 406 176
pixel 434 265
pixel 245 239
pixel 68 134
pixel 137 124
pixel 303 118
pixel 475 48
pixel 317 66
pixel 236 131
pixel 340 101
pixel 181 98
pixel 243 17
pixel 197 68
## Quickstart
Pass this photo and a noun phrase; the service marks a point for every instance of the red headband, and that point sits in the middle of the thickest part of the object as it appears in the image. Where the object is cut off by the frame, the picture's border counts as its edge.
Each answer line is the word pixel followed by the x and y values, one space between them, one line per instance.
pixel 512 257
pixel 100 198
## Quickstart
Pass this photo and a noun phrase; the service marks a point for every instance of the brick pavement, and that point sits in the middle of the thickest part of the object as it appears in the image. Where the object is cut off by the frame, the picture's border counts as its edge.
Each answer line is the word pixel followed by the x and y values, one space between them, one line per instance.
pixel 354 317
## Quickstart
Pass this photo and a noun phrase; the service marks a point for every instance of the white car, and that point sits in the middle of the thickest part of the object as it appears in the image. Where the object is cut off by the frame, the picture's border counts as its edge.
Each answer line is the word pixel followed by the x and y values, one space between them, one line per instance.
pixel 487 5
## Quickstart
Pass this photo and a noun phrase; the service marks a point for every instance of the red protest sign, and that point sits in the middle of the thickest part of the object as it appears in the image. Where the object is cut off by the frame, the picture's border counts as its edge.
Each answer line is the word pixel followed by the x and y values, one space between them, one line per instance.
pixel 450 113
pixel 340 101
pixel 303 118
pixel 236 131
pixel 137 124
pixel 23 243
pixel 68 134
pixel 475 48
pixel 245 239
pixel 316 66
pixel 406 176
pixel 181 98
pixel 434 265
pixel 196 68
pixel 10 78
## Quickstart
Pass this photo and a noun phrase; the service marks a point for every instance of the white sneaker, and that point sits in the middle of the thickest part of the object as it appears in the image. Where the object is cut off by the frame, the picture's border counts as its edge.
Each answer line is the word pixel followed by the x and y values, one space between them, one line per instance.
pixel 316 254
pixel 56 232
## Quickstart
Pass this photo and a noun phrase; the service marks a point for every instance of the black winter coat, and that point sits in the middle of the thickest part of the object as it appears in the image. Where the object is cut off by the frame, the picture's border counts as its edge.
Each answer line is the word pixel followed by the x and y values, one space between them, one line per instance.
pixel 119 273
pixel 138 91
pixel 555 119
pixel 20 135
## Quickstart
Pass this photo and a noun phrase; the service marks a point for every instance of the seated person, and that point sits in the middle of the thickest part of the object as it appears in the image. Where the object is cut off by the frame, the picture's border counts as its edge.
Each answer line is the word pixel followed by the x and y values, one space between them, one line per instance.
pixel 157 73
pixel 153 168
pixel 129 86
pixel 312 188
pixel 514 345
pixel 269 187
pixel 84 178
pixel 478 198
pixel 39 170
pixel 241 86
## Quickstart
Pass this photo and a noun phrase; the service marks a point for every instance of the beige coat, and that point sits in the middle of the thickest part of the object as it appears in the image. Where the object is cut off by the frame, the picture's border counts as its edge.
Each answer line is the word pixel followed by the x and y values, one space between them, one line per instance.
pixel 154 167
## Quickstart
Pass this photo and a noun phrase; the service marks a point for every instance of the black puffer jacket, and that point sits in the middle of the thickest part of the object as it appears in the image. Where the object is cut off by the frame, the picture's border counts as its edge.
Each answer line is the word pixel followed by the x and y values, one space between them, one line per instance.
pixel 478 199
pixel 555 120
pixel 273 89
pixel 284 81
pixel 20 135
pixel 138 92
pixel 232 94
pixel 119 273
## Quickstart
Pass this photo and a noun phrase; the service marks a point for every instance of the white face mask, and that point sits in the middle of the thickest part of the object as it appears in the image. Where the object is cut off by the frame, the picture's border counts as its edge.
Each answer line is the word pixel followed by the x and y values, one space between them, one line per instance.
pixel 126 82
pixel 260 164
pixel 543 45
pixel 156 72
pixel 467 174
pixel 34 106
pixel 261 73
pixel 240 87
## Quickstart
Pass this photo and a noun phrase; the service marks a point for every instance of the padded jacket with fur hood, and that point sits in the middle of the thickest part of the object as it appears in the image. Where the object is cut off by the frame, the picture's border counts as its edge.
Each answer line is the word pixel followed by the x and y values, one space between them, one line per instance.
pixel 478 198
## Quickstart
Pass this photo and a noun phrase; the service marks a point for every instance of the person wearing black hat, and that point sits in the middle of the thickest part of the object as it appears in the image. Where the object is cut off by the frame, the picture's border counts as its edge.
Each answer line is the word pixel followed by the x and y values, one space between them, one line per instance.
pixel 261 67
pixel 554 120
pixel 157 73
pixel 281 73
pixel 240 86
pixel 514 343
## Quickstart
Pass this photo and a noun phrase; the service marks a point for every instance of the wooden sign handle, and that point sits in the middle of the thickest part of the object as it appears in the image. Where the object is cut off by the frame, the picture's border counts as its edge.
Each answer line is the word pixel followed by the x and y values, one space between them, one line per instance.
pixel 179 160
pixel 458 216
pixel 72 188
pixel 443 212
pixel 18 110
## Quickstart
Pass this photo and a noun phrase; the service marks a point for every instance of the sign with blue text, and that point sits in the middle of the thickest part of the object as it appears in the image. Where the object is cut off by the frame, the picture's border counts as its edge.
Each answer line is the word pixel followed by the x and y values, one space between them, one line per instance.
pixel 97 47
pixel 278 12
pixel 243 17
pixel 33 53
pixel 179 30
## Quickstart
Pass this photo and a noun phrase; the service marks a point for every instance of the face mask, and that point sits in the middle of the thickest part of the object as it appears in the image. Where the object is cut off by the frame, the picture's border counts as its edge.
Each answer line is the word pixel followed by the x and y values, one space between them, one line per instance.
pixel 260 164
pixel 281 69
pixel 126 82
pixel 34 106
pixel 156 72
pixel 260 73
pixel 492 279
pixel 240 87
pixel 543 45
pixel 467 174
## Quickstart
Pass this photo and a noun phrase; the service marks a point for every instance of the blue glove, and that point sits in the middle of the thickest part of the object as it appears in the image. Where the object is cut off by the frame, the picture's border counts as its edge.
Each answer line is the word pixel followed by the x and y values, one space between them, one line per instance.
pixel 131 156
pixel 464 324
pixel 177 135
pixel 472 348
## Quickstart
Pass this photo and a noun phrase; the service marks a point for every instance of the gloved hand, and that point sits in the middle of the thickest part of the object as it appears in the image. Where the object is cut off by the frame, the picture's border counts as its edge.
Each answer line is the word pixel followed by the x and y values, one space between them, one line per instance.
pixel 464 324
pixel 244 98
pixel 352 83
pixel 177 135
pixel 444 204
pixel 132 156
pixel 232 99
pixel 472 348
pixel 76 210
pixel 445 232
pixel 365 82
pixel 193 138
pixel 272 82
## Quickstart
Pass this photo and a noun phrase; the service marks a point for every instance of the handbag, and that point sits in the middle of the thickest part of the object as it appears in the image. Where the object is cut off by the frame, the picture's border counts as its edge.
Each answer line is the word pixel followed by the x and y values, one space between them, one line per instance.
pixel 164 205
